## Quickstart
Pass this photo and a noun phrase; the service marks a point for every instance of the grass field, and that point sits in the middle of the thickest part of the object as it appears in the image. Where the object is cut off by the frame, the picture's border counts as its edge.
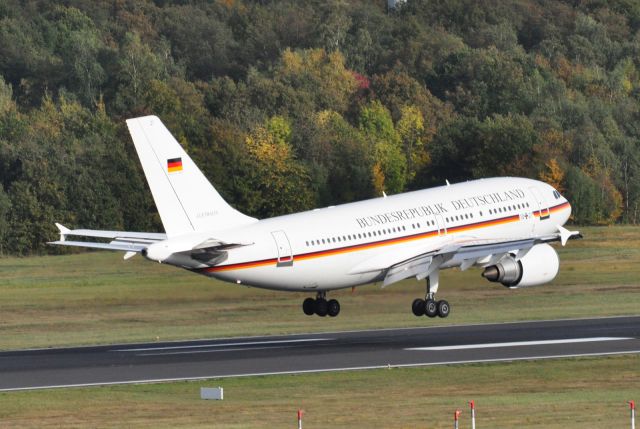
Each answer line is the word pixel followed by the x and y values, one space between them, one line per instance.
pixel 98 298
pixel 575 393
pixel 92 298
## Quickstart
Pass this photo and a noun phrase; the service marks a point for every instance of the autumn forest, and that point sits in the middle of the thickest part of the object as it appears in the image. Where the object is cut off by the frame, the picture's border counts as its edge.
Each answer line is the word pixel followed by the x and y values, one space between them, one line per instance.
pixel 287 105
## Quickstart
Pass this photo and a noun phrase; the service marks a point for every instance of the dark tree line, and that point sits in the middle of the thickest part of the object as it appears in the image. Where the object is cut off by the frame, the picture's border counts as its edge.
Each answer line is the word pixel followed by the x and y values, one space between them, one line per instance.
pixel 288 105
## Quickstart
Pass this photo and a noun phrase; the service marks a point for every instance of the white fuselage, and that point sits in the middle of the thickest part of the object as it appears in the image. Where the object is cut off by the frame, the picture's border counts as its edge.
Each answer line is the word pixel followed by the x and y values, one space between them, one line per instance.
pixel 321 249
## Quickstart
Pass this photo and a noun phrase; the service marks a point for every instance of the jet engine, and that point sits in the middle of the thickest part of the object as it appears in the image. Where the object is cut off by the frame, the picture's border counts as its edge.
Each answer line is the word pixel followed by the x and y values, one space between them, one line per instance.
pixel 539 266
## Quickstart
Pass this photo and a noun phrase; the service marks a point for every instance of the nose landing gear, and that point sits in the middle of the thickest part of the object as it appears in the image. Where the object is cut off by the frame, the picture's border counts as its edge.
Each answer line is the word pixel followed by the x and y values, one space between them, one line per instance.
pixel 321 306
pixel 429 306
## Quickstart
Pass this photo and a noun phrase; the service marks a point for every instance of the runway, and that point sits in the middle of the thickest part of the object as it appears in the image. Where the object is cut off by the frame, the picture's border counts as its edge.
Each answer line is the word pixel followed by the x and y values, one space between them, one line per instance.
pixel 215 358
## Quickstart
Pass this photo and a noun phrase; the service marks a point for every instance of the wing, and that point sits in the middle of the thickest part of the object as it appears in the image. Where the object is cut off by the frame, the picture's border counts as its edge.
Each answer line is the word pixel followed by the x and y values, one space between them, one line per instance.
pixel 209 251
pixel 119 240
pixel 421 261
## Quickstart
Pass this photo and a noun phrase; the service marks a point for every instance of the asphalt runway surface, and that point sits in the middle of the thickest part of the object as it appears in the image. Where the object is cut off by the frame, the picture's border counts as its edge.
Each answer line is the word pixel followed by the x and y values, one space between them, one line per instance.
pixel 233 357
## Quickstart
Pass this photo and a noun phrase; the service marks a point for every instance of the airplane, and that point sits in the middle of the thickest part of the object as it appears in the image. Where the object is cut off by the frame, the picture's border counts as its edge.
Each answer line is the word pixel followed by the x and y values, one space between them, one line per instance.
pixel 503 225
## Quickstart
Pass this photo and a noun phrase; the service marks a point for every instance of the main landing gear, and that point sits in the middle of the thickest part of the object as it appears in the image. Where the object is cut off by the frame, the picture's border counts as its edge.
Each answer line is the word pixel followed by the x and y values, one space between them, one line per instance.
pixel 429 306
pixel 321 306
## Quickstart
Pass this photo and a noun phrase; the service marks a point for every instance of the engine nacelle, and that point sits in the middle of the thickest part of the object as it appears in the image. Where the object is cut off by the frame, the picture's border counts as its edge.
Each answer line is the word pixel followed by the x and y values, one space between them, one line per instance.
pixel 180 252
pixel 159 251
pixel 539 266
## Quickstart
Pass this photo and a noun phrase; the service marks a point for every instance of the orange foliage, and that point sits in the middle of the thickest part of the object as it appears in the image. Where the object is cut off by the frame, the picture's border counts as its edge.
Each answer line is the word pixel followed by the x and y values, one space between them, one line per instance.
pixel 378 178
pixel 553 175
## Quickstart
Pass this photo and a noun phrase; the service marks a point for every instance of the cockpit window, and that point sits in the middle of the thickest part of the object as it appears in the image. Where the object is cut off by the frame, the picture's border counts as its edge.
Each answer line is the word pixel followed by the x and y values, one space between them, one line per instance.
pixel 556 194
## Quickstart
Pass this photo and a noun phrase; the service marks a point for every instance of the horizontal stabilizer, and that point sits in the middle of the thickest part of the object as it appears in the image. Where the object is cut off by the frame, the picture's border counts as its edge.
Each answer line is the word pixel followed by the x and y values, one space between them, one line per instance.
pixel 130 247
pixel 121 235
pixel 120 240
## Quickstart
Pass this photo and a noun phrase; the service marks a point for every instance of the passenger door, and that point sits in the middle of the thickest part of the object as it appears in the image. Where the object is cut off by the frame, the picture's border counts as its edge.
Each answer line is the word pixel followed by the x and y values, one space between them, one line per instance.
pixel 285 255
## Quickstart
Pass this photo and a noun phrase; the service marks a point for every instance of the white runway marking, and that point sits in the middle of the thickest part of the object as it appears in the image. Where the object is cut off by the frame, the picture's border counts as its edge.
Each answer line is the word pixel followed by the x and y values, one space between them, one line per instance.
pixel 199 346
pixel 191 352
pixel 520 343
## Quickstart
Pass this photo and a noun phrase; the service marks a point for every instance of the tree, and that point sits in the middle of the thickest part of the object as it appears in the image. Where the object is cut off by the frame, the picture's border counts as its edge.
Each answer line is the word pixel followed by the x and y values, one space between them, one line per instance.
pixel 6 97
pixel 590 204
pixel 412 133
pixel 482 82
pixel 553 175
pixel 78 44
pixel 5 206
pixel 282 181
pixel 138 67
pixel 339 160
pixel 321 75
pixel 390 169
pixel 469 149
pixel 204 43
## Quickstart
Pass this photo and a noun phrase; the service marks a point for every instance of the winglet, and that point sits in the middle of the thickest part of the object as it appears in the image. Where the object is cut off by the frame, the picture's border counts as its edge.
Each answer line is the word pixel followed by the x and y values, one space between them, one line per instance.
pixel 565 234
pixel 63 231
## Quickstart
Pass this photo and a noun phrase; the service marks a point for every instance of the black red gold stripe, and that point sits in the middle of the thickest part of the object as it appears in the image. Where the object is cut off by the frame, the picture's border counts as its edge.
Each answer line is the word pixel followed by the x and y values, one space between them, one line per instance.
pixel 544 214
pixel 174 164
pixel 375 244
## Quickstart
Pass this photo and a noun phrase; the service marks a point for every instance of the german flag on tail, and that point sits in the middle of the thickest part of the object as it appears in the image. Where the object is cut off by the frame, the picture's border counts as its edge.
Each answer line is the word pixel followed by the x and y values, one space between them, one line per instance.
pixel 174 164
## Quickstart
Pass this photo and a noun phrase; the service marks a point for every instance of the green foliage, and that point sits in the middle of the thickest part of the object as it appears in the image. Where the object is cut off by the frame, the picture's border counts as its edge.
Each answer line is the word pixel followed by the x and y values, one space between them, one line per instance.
pixel 583 192
pixel 5 206
pixel 6 93
pixel 315 102
pixel 77 42
pixel 468 148
pixel 341 160
pixel 281 181
pixel 385 142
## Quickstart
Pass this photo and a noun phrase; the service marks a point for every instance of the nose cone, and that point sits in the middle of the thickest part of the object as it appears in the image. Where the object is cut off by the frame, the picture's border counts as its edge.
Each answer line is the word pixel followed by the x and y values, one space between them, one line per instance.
pixel 565 214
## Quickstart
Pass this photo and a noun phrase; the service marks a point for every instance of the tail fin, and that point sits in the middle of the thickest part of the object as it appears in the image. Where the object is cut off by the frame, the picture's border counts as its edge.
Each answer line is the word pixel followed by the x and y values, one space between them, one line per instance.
pixel 185 199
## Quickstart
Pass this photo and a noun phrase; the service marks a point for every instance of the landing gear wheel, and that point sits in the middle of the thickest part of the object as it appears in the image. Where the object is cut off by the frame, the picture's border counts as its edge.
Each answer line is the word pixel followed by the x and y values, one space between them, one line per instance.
pixel 430 308
pixel 309 306
pixel 322 308
pixel 443 308
pixel 418 307
pixel 333 308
